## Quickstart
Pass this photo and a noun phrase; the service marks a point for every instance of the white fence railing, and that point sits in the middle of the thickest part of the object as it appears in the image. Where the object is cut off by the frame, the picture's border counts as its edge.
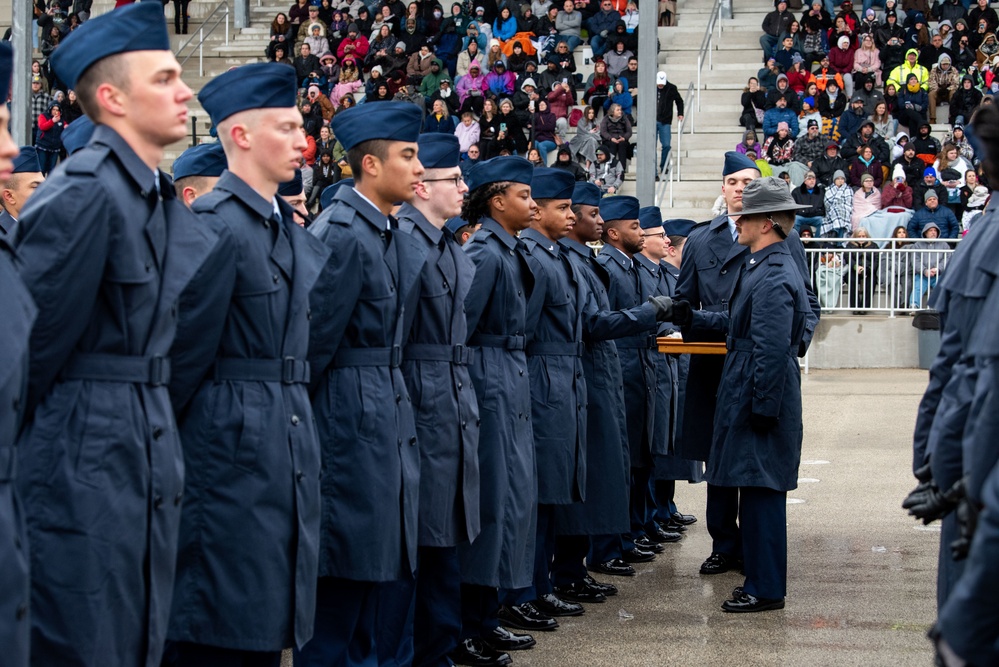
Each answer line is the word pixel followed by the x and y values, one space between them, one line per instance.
pixel 887 276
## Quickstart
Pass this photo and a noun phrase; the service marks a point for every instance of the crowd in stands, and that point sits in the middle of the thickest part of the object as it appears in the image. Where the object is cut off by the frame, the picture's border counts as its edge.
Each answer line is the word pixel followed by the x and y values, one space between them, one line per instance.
pixel 845 108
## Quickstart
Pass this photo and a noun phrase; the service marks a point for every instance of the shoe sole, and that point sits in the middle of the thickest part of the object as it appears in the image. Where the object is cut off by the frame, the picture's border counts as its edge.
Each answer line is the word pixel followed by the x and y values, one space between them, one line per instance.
pixel 579 600
pixel 616 574
pixel 507 623
pixel 504 649
pixel 564 614
pixel 768 607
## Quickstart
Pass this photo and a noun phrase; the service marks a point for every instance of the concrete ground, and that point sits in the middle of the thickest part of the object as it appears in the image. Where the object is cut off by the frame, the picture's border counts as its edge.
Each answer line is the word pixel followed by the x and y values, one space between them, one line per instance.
pixel 861 573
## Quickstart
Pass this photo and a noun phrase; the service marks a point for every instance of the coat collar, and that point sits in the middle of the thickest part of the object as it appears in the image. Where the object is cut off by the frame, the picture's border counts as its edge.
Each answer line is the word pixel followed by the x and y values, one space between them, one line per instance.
pixel 139 171
pixel 755 259
pixel 543 241
pixel 420 222
pixel 577 247
pixel 237 187
pixel 612 253
pixel 652 267
pixel 496 229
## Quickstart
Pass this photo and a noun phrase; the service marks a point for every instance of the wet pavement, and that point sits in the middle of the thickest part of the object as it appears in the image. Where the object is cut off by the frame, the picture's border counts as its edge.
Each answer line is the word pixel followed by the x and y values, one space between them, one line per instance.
pixel 861 574
pixel 861 577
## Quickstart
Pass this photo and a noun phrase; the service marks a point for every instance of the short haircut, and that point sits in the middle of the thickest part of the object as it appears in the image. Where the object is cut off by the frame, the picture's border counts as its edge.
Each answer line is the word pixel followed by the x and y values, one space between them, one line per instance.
pixel 196 182
pixel 355 156
pixel 112 70
pixel 785 219
pixel 609 225
pixel 677 241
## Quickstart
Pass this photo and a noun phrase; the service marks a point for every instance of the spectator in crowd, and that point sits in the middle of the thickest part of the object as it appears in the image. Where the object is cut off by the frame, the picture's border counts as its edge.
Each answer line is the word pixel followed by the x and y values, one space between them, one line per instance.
pixel 929 262
pixel 782 89
pixel 354 45
pixel 807 115
pixel 851 120
pixel 48 137
pixel 810 193
pixel 884 124
pixel 488 130
pixel 863 165
pixel 778 149
pixel 866 202
pixel 439 119
pixel 565 161
pixel 615 131
pixel 617 58
pixel 597 86
pixel 944 83
pixel 809 148
pixel 785 54
pixel 471 88
pixel 831 105
pixel 826 165
pixel 667 97
pixel 932 211
pixel 511 133
pixel 913 104
pixel 601 26
pixel 838 202
pixel 779 113
pixel 965 57
pixel 861 270
pixel 533 156
pixel 754 104
pixel 569 23
pixel 798 75
pixel 583 144
pixel 929 54
pixel 841 62
pixel 749 142
pixel 975 206
pixel 467 132
pixel 889 30
pixel 869 94
pixel 950 158
pixel 912 165
pixel 897 192
pixel 927 146
pixel 964 101
pixel 606 173
pixel 867 137
pixel 282 33
pixel 900 75
pixel 318 44
pixel 775 24
pixel 929 182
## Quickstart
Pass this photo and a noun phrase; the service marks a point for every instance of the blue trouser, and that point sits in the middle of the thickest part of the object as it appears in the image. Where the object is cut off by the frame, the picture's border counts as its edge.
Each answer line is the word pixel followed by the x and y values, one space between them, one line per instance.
pixel 879 3
pixel 599 45
pixel 639 505
pixel 721 516
pixel 479 605
pixel 344 636
pixel 571 40
pixel 186 654
pixel 665 132
pixel 544 550
pixel 606 547
pixel 768 44
pixel 814 222
pixel 664 490
pixel 544 147
pixel 831 6
pixel 920 285
pixel 949 571
pixel 568 565
pixel 394 622
pixel 47 160
pixel 763 517
pixel 437 619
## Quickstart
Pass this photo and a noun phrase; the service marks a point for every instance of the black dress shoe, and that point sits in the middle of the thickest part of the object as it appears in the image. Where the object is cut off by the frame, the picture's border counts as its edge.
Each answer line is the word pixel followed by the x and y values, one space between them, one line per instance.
pixel 683 519
pixel 719 562
pixel 615 567
pixel 475 652
pixel 637 555
pixel 645 544
pixel 580 591
pixel 606 589
pixel 671 526
pixel 553 605
pixel 661 536
pixel 526 617
pixel 746 603
pixel 503 640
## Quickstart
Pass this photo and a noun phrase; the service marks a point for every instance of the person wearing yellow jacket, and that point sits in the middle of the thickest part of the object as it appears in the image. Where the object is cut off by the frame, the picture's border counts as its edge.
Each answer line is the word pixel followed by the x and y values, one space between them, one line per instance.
pixel 900 74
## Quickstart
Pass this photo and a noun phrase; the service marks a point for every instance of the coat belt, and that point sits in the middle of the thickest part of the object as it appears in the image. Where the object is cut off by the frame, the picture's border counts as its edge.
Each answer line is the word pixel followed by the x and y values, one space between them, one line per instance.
pixel 153 370
pixel 555 349
pixel 286 371
pixel 459 355
pixel 506 342
pixel 747 345
pixel 368 356
pixel 637 343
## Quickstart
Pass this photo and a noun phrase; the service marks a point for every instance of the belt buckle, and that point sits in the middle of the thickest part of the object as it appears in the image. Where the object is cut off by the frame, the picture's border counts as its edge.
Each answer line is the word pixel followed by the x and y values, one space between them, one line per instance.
pixel 515 343
pixel 395 356
pixel 159 371
pixel 288 370
pixel 459 355
pixel 580 348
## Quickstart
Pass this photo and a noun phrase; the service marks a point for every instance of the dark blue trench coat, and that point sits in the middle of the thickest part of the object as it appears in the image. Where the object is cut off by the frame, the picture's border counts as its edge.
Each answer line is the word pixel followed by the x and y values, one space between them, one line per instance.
pixel 101 460
pixel 250 442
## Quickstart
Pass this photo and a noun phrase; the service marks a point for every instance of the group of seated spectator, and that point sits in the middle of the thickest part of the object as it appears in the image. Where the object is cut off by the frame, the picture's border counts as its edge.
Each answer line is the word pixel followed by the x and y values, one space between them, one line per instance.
pixel 501 76
pixel 844 109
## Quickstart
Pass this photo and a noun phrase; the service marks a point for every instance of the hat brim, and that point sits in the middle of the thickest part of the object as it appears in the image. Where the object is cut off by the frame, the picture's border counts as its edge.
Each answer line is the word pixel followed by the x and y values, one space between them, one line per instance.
pixel 774 208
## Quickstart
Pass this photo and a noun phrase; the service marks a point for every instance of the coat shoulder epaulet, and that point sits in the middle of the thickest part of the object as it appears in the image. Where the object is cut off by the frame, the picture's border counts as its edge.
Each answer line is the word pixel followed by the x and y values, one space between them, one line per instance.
pixel 86 162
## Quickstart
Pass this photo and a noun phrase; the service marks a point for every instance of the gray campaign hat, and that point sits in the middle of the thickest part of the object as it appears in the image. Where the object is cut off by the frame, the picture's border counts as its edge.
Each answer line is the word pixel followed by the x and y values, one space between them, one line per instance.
pixel 767 195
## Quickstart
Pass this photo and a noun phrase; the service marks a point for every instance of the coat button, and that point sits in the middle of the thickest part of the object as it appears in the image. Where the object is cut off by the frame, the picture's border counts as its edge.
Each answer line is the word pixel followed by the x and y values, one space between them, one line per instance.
pixel 177 498
pixel 157 433
pixel 299 475
pixel 478 422
pixel 308 313
pixel 519 292
pixel 22 611
pixel 158 502
pixel 294 420
pixel 459 385
pixel 173 311
pixel 464 424
pixel 400 442
pixel 276 278
pixel 412 440
pixel 724 271
pixel 149 267
pixel 398 398
pixel 17 404
pixel 445 284
pixel 521 372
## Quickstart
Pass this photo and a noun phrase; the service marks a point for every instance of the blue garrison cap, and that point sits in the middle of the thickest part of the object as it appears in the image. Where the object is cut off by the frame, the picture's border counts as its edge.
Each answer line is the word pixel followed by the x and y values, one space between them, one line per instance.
pixel 548 183
pixel 200 160
pixel 679 227
pixel 326 196
pixel 499 169
pixel 650 217
pixel 393 121
pixel 253 86
pixel 619 207
pixel 439 151
pixel 455 223
pixel 586 194
pixel 77 134
pixel 27 161
pixel 736 161
pixel 136 27
pixel 293 187
pixel 6 67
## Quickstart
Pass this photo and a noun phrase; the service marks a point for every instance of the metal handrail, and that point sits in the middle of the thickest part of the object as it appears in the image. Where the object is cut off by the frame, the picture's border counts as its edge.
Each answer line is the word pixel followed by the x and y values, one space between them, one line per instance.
pixel 706 46
pixel 202 35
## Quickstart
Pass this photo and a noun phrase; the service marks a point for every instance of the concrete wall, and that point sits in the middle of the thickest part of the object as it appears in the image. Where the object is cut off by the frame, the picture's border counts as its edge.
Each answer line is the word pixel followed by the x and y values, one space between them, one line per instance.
pixel 871 341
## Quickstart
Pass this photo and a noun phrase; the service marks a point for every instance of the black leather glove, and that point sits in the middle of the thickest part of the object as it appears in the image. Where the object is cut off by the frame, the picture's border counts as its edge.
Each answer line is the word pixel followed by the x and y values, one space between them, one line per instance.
pixel 930 504
pixel 683 314
pixel 967 521
pixel 663 305
pixel 762 423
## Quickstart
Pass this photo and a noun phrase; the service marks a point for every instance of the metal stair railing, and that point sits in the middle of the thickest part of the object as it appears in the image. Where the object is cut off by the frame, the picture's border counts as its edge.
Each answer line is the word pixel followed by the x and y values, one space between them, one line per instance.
pixel 220 16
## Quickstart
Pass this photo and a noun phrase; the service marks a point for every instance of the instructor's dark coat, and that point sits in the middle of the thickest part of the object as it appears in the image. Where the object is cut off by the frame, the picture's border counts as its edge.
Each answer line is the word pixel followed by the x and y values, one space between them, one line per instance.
pixel 710 268
pixel 371 464
pixel 496 308
pixel 250 442
pixel 15 589
pixel 605 510
pixel 101 461
pixel 435 366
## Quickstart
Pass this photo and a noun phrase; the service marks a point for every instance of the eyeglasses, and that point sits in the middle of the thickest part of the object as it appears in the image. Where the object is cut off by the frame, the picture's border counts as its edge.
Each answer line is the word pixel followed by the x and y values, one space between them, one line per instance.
pixel 453 179
pixel 661 235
